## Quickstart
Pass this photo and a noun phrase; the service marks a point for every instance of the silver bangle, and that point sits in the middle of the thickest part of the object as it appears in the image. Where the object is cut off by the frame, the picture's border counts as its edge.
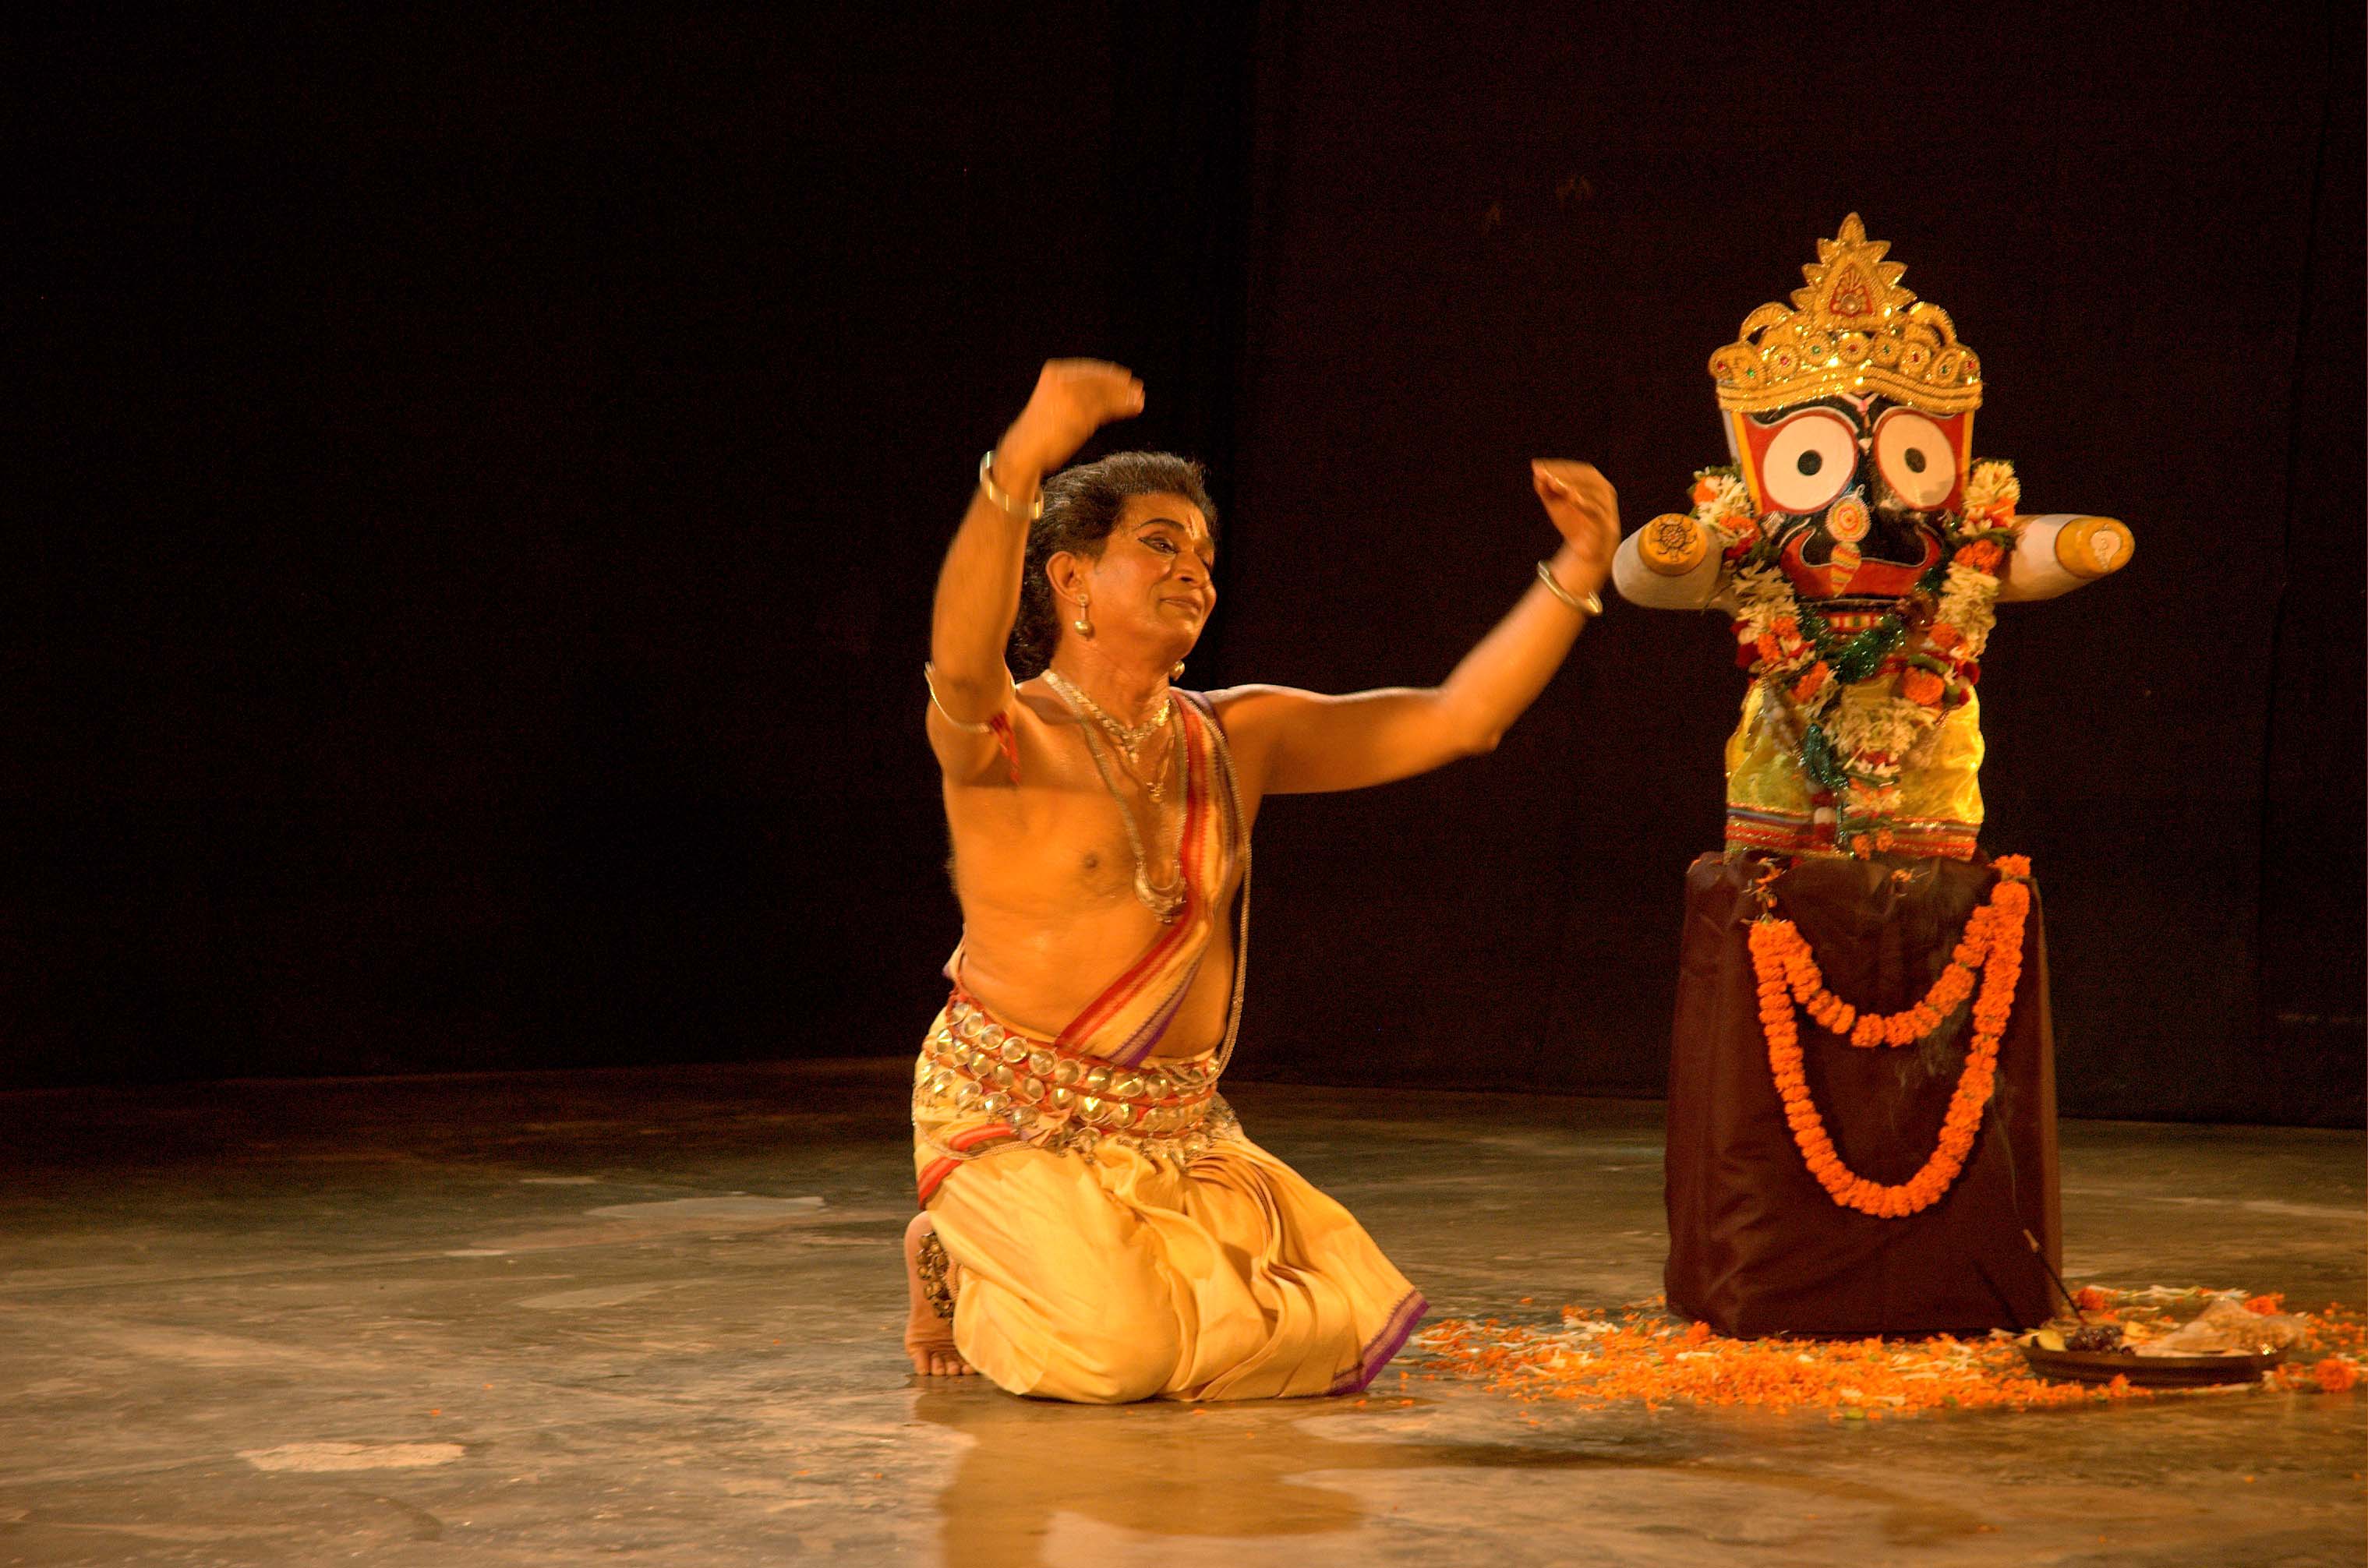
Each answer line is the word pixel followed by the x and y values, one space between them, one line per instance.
pixel 929 679
pixel 1002 502
pixel 1591 605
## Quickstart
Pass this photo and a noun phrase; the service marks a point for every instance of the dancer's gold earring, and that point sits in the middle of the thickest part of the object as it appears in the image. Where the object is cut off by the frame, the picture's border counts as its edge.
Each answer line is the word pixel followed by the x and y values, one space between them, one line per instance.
pixel 1084 627
pixel 1176 671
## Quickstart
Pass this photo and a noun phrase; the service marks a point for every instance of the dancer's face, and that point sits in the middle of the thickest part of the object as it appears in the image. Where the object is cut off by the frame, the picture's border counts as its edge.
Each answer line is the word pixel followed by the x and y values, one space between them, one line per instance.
pixel 1154 586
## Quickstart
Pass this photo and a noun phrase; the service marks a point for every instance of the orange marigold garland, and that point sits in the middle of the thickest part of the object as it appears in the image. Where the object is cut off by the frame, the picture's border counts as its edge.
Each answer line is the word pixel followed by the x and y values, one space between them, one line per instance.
pixel 1788 973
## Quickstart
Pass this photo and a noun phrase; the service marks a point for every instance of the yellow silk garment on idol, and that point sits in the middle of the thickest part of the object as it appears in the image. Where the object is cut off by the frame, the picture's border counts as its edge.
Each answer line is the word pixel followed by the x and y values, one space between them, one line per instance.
pixel 1115 1237
pixel 1771 805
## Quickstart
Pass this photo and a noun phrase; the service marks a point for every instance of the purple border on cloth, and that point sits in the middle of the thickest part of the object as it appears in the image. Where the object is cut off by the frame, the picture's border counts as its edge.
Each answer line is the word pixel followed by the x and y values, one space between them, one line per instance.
pixel 1136 1051
pixel 1383 1347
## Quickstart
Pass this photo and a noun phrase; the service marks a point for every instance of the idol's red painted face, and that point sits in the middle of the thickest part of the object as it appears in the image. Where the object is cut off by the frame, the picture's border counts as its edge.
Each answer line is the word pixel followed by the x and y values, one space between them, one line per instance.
pixel 1799 461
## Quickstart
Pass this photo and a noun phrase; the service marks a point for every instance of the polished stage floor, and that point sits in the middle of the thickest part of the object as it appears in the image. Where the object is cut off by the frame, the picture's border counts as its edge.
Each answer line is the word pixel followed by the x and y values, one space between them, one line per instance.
pixel 651 1316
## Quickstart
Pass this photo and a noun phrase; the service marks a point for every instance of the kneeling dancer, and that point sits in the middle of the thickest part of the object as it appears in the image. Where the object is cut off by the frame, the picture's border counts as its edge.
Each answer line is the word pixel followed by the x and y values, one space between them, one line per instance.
pixel 1095 1227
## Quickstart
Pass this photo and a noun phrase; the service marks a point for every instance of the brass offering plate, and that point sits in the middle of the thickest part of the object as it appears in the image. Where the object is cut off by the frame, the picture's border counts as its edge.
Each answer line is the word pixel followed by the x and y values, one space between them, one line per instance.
pixel 2148 1372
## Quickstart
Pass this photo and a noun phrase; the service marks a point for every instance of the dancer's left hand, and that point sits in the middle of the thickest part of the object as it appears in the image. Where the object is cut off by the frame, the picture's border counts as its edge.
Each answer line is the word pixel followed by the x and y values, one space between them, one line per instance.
pixel 1586 509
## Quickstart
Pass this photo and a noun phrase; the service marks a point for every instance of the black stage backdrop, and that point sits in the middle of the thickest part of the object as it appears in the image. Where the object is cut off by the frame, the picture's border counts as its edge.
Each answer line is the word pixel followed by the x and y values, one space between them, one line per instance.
pixel 498 471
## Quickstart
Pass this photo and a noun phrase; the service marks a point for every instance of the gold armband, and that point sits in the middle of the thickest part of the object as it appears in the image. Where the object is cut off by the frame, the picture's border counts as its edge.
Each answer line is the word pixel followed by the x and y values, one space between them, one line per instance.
pixel 929 679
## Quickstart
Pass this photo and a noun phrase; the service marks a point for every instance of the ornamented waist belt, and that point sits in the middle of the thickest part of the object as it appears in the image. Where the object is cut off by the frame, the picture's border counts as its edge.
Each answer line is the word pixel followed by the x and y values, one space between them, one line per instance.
pixel 998 1073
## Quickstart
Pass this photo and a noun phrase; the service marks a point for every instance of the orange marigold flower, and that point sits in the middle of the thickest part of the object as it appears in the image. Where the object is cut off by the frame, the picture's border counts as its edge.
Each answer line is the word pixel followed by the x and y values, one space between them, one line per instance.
pixel 1921 686
pixel 2335 1374
pixel 2266 1306
pixel 2091 1298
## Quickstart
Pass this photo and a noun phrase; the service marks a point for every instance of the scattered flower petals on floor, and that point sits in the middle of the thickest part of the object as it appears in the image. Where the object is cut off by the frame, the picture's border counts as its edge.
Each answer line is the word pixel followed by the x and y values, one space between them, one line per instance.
pixel 1642 1354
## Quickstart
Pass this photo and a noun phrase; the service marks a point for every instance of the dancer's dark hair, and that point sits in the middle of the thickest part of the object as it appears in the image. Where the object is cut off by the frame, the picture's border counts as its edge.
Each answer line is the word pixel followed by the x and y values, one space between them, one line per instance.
pixel 1081 508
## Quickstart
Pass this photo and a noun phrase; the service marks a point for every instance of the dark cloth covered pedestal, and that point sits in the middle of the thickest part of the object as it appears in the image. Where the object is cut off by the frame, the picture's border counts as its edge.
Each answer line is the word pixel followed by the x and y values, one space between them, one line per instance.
pixel 1755 1245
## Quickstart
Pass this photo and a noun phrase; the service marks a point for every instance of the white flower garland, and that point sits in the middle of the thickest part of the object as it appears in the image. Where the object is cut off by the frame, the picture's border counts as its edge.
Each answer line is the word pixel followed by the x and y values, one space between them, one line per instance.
pixel 1992 489
pixel 1969 603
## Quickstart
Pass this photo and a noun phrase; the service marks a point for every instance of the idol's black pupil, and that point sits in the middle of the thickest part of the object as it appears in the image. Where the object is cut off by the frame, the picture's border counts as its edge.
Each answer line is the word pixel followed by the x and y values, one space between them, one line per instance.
pixel 1913 460
pixel 1812 461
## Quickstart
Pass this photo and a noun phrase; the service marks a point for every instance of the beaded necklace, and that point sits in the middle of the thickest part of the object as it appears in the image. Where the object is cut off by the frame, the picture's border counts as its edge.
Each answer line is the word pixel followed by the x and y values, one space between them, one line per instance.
pixel 1166 901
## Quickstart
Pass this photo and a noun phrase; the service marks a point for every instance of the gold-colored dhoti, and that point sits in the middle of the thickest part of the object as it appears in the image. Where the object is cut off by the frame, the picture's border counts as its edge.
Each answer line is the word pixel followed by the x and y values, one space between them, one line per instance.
pixel 1102 1265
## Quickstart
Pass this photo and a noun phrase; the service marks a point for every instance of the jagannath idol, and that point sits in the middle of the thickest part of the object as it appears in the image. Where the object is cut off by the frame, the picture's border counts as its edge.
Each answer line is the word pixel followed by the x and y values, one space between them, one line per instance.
pixel 1859 552
pixel 1861 1135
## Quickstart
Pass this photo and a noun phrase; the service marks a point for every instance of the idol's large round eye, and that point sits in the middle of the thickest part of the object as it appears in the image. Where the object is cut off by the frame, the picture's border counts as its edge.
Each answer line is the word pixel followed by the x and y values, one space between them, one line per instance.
pixel 1809 462
pixel 1915 458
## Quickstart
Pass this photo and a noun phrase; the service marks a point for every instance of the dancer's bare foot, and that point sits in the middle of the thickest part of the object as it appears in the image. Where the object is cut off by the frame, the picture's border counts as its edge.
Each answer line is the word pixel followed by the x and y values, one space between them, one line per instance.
pixel 929 1338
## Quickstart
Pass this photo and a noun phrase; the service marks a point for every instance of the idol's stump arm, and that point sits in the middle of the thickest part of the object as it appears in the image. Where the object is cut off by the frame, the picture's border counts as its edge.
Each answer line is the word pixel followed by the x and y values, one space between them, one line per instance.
pixel 1669 562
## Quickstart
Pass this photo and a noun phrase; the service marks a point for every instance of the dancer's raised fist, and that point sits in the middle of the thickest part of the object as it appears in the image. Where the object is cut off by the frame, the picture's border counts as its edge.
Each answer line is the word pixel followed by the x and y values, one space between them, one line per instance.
pixel 1073 398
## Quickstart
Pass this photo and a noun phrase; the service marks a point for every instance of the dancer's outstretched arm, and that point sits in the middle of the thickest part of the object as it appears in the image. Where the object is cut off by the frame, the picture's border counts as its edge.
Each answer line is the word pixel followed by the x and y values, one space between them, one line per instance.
pixel 1293 741
pixel 978 587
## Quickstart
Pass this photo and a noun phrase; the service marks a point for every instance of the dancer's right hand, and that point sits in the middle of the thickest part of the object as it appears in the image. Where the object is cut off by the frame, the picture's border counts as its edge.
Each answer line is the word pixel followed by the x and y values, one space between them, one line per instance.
pixel 1073 398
